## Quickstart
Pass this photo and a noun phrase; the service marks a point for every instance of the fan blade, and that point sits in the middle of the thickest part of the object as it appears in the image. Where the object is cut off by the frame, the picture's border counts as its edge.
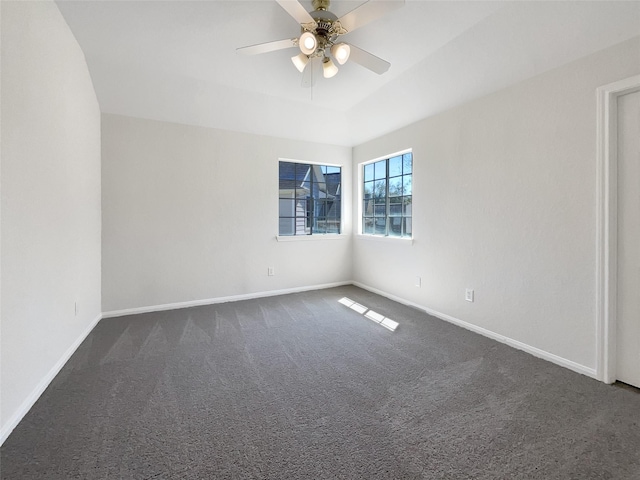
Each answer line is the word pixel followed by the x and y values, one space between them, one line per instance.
pixel 368 60
pixel 267 47
pixel 296 10
pixel 367 12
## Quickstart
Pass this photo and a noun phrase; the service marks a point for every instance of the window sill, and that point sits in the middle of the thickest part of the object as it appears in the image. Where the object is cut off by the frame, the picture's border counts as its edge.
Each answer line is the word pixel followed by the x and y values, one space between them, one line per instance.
pixel 311 238
pixel 379 238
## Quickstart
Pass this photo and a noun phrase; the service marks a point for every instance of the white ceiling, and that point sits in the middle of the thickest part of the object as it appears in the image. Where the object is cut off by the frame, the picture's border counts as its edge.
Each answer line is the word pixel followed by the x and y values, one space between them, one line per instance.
pixel 176 60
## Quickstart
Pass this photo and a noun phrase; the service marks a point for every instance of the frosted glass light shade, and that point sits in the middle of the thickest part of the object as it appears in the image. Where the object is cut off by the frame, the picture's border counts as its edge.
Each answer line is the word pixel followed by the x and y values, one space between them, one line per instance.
pixel 300 61
pixel 328 68
pixel 341 52
pixel 308 43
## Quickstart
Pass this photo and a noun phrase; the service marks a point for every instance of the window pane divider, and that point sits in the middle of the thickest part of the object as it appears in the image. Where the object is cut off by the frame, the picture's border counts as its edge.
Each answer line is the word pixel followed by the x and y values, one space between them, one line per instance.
pixel 313 210
pixel 396 223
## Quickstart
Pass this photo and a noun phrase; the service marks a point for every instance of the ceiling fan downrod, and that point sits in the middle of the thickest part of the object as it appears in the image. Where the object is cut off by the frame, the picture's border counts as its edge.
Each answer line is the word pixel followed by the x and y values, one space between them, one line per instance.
pixel 321 4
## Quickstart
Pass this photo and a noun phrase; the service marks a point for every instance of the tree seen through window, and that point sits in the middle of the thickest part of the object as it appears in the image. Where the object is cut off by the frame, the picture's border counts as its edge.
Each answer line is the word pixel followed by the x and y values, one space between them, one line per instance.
pixel 387 197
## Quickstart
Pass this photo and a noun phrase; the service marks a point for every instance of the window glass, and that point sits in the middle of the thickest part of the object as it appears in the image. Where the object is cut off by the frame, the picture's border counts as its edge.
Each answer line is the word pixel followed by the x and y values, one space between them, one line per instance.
pixel 407 163
pixel 368 172
pixel 406 184
pixel 309 198
pixel 387 197
pixel 395 166
pixel 395 186
pixel 367 226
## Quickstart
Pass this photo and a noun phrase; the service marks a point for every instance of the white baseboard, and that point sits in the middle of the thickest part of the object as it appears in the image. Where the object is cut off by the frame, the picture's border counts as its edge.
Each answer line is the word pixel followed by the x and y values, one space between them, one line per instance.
pixel 28 402
pixel 536 352
pixel 211 301
pixel 46 380
pixel 26 405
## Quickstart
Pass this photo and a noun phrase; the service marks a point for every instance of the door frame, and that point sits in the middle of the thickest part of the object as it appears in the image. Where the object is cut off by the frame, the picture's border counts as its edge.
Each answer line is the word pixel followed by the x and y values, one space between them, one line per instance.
pixel 606 224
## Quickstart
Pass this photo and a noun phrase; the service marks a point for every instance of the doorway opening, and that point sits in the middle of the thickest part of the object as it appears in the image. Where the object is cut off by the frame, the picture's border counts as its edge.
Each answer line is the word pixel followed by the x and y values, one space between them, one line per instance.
pixel 607 226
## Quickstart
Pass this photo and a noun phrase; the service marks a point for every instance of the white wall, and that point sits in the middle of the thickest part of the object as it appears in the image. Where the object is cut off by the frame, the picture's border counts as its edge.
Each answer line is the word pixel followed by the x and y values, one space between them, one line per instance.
pixel 191 214
pixel 50 206
pixel 504 203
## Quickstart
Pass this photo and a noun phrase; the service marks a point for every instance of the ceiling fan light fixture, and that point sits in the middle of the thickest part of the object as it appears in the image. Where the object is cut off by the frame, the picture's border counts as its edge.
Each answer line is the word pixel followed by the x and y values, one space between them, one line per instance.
pixel 308 43
pixel 329 69
pixel 300 61
pixel 341 52
pixel 320 31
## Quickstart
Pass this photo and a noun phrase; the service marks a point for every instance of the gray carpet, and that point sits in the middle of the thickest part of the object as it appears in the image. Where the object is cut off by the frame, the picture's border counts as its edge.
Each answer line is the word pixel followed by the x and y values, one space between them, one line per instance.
pixel 301 387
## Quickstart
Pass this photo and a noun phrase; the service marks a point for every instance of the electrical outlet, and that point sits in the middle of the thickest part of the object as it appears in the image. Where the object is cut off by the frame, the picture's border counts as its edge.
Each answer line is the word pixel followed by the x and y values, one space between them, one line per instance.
pixel 418 281
pixel 468 295
pixel 270 271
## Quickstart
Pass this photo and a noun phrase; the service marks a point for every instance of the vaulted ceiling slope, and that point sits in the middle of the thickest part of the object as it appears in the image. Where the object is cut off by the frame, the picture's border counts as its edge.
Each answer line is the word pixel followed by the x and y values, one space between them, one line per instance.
pixel 176 60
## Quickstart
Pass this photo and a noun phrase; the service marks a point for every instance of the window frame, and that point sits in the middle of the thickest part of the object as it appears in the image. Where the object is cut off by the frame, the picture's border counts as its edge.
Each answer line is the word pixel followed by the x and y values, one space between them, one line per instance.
pixel 361 200
pixel 313 235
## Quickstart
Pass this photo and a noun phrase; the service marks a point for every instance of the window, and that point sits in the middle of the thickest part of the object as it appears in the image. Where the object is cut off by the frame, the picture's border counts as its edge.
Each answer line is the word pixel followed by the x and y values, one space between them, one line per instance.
pixel 309 199
pixel 386 206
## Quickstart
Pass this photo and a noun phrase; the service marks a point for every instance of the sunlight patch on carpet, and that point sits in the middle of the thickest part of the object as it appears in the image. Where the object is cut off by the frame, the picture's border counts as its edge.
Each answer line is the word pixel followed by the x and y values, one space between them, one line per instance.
pixel 370 314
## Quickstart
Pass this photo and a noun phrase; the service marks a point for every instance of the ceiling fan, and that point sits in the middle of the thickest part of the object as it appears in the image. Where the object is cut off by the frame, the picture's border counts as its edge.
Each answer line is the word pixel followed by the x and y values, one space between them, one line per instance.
pixel 320 37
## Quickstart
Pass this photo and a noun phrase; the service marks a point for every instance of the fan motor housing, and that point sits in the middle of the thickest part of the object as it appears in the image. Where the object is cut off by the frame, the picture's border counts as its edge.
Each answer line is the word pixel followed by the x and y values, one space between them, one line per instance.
pixel 324 20
pixel 323 27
